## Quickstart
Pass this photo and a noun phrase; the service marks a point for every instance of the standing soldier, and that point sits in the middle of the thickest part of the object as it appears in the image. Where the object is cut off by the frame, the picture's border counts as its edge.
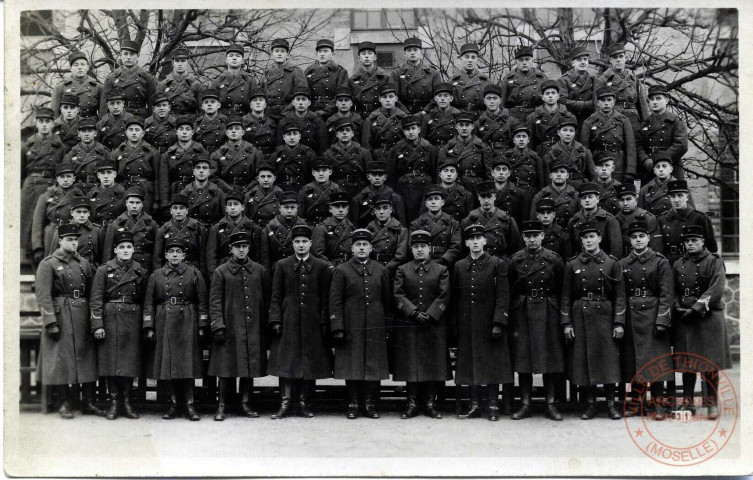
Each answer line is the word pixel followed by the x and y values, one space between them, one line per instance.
pixel 367 80
pixel 210 126
pixel 263 199
pixel 572 153
pixel 663 131
pixel 312 128
pixel 293 159
pixel 389 239
pixel 331 239
pixel 593 319
pixel 443 229
pixel 314 196
pixel 608 198
pixel 260 129
pixel 238 306
pixel 422 295
pixel 537 346
pixel 521 87
pixel 218 248
pixel 87 154
pixel 556 237
pixel 360 316
pixel 234 84
pixel 458 201
pixel 630 97
pixel 299 322
pixel 79 83
pixel 66 125
pixel 138 163
pixel 472 155
pixel 324 78
pixel 544 120
pixel 176 323
pixel 577 86
pixel 182 88
pixel 631 213
pixel 137 222
pixel 680 216
pixel 650 295
pixel 160 127
pixel 383 127
pixel 176 165
pixel 559 190
pixel 415 161
pixel 654 195
pixel 513 200
pixel 68 350
pixel 137 84
pixel 528 170
pixel 362 208
pixel 276 238
pixel 90 236
pixel 112 125
pixel 188 230
pixel 469 85
pixel 280 80
pixel 495 124
pixel 116 298
pixel 502 235
pixel 610 235
pixel 348 158
pixel 480 301
pixel 415 79
pixel 699 309
pixel 438 124
pixel 107 198
pixel 344 104
pixel 236 160
pixel 206 202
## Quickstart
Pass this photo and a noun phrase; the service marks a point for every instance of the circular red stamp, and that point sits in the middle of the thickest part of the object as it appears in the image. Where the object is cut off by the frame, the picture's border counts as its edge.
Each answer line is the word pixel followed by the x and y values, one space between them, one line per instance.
pixel 687 436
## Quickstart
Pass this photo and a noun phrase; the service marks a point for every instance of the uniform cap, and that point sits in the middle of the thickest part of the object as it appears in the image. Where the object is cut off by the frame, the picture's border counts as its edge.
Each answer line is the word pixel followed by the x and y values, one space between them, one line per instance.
pixel 179 199
pixel 87 122
pixel 64 167
pixel 386 88
pixel 578 52
pixel 692 231
pixel 500 160
pixel 268 167
pixel 550 84
pixel 210 93
pixel 300 231
pixel 638 226
pixel 474 230
pixel 544 204
pixel 106 165
pixel 70 100
pixel 587 227
pixel 615 49
pixel 115 94
pixel 280 42
pixel 376 167
pixel 586 188
pixel 236 47
pixel 443 87
pixel 344 92
pixel 383 197
pixel 469 47
pixel 602 157
pixel 661 157
pixel 234 120
pixel 289 124
pixel 532 226
pixel 434 189
pixel 184 120
pixel 135 192
pixel 524 52
pixel 464 117
pixel 409 120
pixel 361 234
pixel 321 162
pixel 302 91
pixel 420 236
pixel 657 90
pixel 604 92
pixel 159 97
pixel 448 162
pixel 44 112
pixel 122 237
pixel 200 158
pixel 343 122
pixel 495 89
pixel 180 53
pixel 256 92
pixel 130 45
pixel 521 127
pixel 174 242
pixel 76 55
pixel 339 197
pixel 568 120
pixel 234 195
pixel 366 46
pixel 238 237
pixel 325 43
pixel 560 163
pixel 134 120
pixel 288 197
pixel 626 189
pixel 676 186
pixel 68 230
pixel 486 188
pixel 412 42
pixel 79 202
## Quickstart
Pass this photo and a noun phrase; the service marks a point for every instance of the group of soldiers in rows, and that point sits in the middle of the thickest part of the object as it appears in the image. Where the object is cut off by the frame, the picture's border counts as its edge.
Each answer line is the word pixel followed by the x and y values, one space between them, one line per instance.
pixel 280 232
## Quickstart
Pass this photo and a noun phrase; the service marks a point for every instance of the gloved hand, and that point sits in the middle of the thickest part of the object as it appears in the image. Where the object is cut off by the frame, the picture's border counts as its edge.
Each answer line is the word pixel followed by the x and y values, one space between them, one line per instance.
pixel 338 337
pixel 496 332
pixel 691 316
pixel 38 255
pixel 53 331
pixel 569 332
pixel 99 334
pixel 149 335
pixel 659 330
pixel 220 336
pixel 618 332
pixel 277 329
pixel 423 318
pixel 648 164
pixel 413 317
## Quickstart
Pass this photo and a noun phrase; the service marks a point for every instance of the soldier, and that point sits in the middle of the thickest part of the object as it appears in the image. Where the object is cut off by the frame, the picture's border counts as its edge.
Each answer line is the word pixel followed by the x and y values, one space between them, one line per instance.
pixel 559 190
pixel 137 84
pixel 367 80
pixel 577 157
pixel 66 125
pixel 176 165
pixel 545 119
pixel 610 132
pixel 206 200
pixel 415 161
pixel 112 125
pixel 280 80
pixel 314 196
pixel 608 199
pixel 79 83
pixel 469 85
pixel 663 131
pixel 383 128
pixel 344 104
pixel 87 154
pixel 480 301
pixel 631 213
pixel 577 86
pixel 139 224
pixel 494 125
pixel 138 163
pixel 527 170
pixel 699 311
pixel 234 84
pixel 680 216
pixel 236 160
pixel 263 199
pixel 556 237
pixel 90 236
pixel 502 235
pixel 293 159
pixel 360 316
pixel 210 126
pixel 182 88
pixel 68 348
pixel 234 221
pixel 362 210
pixel 458 202
pixel 298 318
pixel 610 236
pixel 331 239
pixel 472 155
pixel 260 129
pixel 116 298
pixel 188 230
pixel 177 324
pixel 422 295
pixel 593 279
pixel 537 346
pixel 630 97
pixel 276 240
pixel 443 229
pixel 160 127
pixel 324 78
pixel 349 159
pixel 239 302
pixel 650 295
pixel 415 79
pixel 312 127
pixel 521 87
pixel 510 198
pixel 438 125
pixel 389 240
pixel 653 195
pixel 107 198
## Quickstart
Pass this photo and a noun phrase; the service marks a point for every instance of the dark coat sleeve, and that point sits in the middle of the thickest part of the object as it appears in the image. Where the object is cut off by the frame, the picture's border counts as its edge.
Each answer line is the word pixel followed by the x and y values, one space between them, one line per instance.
pixel 202 300
pixel 565 297
pixel 337 301
pixel 666 292
pixel 502 293
pixel 619 293
pixel 148 311
pixel 711 298
pixel 439 305
pixel 278 294
pixel 402 302
pixel 44 279
pixel 216 300
pixel 96 298
pixel 324 284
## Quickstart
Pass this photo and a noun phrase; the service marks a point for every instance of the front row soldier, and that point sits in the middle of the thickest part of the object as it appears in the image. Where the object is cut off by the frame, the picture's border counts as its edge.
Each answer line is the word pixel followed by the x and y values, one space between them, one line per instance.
pixel 480 302
pixel 116 299
pixel 593 319
pixel 537 345
pixel 69 344
pixel 331 239
pixel 422 296
pixel 360 316
pixel 238 308
pixel 650 298
pixel 234 221
pixel 299 354
pixel 176 323
pixel 443 229
pixel 137 222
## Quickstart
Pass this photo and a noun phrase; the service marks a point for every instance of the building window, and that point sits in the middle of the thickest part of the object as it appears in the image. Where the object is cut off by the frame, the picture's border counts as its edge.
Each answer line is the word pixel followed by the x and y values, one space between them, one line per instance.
pixel 730 214
pixel 383 19
pixel 386 59
pixel 34 22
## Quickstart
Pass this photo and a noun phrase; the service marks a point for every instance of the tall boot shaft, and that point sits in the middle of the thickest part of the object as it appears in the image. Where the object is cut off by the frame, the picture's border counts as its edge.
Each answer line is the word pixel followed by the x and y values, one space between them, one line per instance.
pixel 89 408
pixel 430 389
pixel 172 410
pixel 492 394
pixel 247 387
pixel 371 395
pixel 188 389
pixel 526 388
pixel 307 389
pixel 613 411
pixel 411 407
pixel 475 410
pixel 352 388
pixel 549 389
pixel 126 384
pixel 286 390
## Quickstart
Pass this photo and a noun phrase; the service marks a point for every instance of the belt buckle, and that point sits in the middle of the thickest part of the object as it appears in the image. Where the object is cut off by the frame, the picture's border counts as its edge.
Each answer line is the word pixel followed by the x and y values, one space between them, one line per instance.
pixel 76 293
pixel 173 300
pixel 673 249
pixel 534 293
pixel 590 296
pixel 637 292
pixel 122 299
pixel 687 292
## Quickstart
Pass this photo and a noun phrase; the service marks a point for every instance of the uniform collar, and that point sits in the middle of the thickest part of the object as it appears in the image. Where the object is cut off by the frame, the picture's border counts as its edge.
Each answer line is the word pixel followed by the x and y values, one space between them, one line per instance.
pixel 358 266
pixel 598 258
pixel 480 261
pixel 180 269
pixel 307 263
pixel 422 265
pixel 234 266
pixel 647 255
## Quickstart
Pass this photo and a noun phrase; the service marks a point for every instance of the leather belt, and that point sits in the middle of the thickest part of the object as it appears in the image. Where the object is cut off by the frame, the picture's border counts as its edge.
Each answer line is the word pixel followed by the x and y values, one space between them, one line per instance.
pixel 135 178
pixel 625 105
pixel 590 297
pixel 677 249
pixel 657 149
pixel 438 249
pixel 501 145
pixel 380 257
pixel 608 148
pixel 134 104
pixel 641 292
pixel 536 293
pixel 239 180
pixel 73 294
pixel 691 292
pixel 470 173
pixel 175 301
pixel 123 299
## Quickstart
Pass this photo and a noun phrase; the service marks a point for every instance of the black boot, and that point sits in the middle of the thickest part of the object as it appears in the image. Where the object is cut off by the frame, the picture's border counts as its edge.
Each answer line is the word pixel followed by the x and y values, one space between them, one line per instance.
pixel 508 394
pixel 371 394
pixel 221 388
pixel 712 394
pixel 191 413
pixel 526 390
pixel 247 386
pixel 411 409
pixel 88 407
pixel 492 392
pixel 308 387
pixel 127 385
pixel 429 396
pixel 657 398
pixel 65 403
pixel 590 411
pixel 475 410
pixel 352 387
pixel 286 389
pixel 613 411
pixel 549 387
pixel 114 391
pixel 637 397
pixel 688 392
pixel 172 409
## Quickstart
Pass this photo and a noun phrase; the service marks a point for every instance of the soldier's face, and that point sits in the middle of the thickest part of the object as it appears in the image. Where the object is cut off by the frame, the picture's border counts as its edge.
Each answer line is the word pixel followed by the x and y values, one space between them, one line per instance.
pixel 175 256
pixel 679 200
pixel 69 244
pixel 639 241
pixel 124 251
pixel 66 180
pixel 345 134
pixel 525 63
pixel 658 103
pixel 289 210
pixel 258 104
pixel 292 138
pixel 413 54
pixel 178 212
pixel 69 112
pixel 581 63
pixel 693 244
pixel 339 211
pixel 476 243
pixel 412 132
pixel 80 215
pixel 469 61
pixel 388 100
pixel 663 170
pixel 434 203
pixel 546 216
pixel 210 105
pixel 606 104
pixel 464 129
pixel 184 133
pixel 501 173
pixel 324 55
pixel 266 179
pixel 134 205
pixel 383 212
pixel 628 203
pixel 533 240
pixel 589 201
pixel 550 96
pixel 521 140
pixel 301 103
pixel 443 99
pixel 321 175
pixel 234 208
pixel 604 170
pixel 162 109
pixel 106 177
pixel 491 100
pixel 234 132
pixel 239 250
pixel 367 57
pixel 559 176
pixel 420 251
pixel 618 61
pixel 590 241
pixel 376 179
pixel 361 249
pixel 79 68
pixel 134 133
pixel 234 60
pixel 567 134
pixel 201 171
pixel 279 54
pixel 344 104
pixel 448 175
pixel 180 65
pixel 87 135
pixel 115 107
pixel 487 202
pixel 44 125
pixel 301 246
pixel 128 58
